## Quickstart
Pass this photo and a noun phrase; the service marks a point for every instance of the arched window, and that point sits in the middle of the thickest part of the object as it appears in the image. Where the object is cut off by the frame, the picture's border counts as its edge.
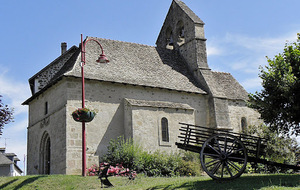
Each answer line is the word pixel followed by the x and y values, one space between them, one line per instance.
pixel 169 37
pixel 180 33
pixel 244 124
pixel 164 130
pixel 45 152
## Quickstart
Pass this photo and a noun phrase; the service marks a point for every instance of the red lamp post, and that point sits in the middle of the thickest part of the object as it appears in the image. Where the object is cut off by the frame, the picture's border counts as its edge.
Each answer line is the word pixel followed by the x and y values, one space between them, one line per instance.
pixel 102 59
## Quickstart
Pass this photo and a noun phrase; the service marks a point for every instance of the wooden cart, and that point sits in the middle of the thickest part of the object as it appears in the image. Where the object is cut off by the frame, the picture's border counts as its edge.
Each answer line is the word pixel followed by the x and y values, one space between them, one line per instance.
pixel 223 154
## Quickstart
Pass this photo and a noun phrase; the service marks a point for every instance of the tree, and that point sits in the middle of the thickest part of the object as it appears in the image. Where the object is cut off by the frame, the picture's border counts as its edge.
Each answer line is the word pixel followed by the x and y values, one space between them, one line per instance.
pixel 279 101
pixel 279 149
pixel 6 115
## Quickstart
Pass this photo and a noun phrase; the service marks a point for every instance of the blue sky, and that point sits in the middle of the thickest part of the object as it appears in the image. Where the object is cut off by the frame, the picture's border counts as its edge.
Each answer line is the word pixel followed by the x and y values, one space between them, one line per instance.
pixel 239 36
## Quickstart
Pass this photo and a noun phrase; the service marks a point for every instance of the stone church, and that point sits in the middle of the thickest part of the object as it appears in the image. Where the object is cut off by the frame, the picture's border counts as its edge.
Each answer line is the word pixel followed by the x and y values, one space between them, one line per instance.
pixel 142 93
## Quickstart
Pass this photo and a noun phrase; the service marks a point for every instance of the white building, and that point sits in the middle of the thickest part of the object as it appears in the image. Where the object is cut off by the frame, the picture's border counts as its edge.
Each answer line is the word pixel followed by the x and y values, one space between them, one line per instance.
pixel 8 164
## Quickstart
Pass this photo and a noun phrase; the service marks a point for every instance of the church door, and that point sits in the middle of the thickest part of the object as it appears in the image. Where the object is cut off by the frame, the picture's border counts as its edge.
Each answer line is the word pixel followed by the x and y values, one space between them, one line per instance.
pixel 45 153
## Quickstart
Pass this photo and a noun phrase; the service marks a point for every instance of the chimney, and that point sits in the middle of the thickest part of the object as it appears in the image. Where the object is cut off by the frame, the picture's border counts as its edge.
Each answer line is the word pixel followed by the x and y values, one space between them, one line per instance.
pixel 63 47
pixel 2 150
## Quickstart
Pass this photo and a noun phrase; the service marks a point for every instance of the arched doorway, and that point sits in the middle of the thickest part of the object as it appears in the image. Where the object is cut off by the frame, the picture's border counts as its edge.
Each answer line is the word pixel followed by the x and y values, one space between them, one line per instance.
pixel 45 154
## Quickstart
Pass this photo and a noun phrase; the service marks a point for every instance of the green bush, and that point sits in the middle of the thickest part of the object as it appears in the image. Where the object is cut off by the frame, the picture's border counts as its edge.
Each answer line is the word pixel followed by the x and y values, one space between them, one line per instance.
pixel 157 163
pixel 189 168
pixel 190 164
pixel 281 149
pixel 121 151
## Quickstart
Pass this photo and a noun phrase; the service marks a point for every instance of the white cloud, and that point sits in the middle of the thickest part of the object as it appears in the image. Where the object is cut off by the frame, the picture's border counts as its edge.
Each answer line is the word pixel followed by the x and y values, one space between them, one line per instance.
pixel 242 55
pixel 239 44
pixel 258 44
pixel 213 50
pixel 251 83
pixel 249 65
pixel 14 92
pixel 14 134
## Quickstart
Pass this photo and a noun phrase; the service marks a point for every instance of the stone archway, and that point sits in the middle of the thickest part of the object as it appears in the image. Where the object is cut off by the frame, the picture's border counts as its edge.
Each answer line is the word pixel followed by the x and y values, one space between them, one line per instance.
pixel 45 154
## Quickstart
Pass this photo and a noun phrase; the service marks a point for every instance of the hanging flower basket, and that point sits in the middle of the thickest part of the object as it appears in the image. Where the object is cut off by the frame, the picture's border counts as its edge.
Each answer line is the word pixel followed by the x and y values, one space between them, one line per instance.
pixel 83 114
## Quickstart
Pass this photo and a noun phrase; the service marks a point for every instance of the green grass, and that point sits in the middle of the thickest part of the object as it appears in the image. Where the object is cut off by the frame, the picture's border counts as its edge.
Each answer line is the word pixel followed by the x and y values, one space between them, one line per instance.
pixel 279 181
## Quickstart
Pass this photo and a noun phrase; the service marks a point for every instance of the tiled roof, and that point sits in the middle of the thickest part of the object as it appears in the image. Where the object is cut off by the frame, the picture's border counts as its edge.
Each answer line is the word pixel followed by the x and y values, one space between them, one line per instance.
pixel 136 64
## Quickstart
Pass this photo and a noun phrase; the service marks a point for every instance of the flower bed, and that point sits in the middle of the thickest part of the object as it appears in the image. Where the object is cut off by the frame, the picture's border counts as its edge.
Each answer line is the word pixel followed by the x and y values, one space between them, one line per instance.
pixel 117 170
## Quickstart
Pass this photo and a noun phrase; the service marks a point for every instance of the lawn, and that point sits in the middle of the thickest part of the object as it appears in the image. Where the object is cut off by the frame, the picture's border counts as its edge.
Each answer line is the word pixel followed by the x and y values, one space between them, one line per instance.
pixel 278 181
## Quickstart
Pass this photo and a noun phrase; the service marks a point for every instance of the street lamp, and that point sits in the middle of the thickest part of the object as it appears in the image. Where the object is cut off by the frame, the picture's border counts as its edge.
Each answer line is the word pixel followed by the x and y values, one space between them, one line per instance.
pixel 102 59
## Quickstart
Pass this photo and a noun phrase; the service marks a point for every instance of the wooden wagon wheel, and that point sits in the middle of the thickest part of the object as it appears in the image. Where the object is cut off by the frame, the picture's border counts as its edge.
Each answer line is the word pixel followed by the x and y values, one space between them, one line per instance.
pixel 223 157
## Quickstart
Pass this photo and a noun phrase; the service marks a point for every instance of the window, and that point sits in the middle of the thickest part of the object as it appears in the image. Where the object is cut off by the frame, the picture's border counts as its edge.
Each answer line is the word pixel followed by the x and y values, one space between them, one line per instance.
pixel 46 108
pixel 169 37
pixel 164 130
pixel 244 124
pixel 180 33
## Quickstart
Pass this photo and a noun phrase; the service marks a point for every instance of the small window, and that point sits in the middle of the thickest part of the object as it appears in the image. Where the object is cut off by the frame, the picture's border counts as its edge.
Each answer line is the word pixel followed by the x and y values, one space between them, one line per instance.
pixel 244 124
pixel 169 38
pixel 180 33
pixel 164 130
pixel 46 108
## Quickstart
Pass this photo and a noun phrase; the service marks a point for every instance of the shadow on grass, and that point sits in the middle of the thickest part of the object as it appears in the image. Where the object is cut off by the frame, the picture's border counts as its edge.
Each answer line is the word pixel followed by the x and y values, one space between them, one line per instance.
pixel 27 181
pixel 7 183
pixel 243 183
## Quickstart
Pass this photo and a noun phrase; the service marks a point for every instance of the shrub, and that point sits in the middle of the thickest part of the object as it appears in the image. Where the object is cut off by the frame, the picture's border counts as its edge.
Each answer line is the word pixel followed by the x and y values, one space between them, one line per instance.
pixel 279 149
pixel 190 164
pixel 189 168
pixel 121 151
pixel 157 163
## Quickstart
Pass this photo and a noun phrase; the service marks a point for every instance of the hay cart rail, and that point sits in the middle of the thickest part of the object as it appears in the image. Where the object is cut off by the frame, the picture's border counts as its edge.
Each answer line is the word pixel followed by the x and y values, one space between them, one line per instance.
pixel 224 154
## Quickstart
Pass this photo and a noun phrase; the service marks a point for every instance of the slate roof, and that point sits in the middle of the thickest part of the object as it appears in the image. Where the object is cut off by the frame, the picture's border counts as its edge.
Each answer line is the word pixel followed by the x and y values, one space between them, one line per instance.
pixel 141 65
pixel 12 156
pixel 158 104
pixel 137 64
pixel 4 160
pixel 230 86
pixel 73 51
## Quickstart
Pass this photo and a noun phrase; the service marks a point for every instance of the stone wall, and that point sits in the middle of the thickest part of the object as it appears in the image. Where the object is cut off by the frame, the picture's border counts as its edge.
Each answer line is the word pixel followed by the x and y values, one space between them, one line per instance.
pixel 5 170
pixel 52 123
pixel 238 110
pixel 123 110
pixel 143 120
pixel 109 100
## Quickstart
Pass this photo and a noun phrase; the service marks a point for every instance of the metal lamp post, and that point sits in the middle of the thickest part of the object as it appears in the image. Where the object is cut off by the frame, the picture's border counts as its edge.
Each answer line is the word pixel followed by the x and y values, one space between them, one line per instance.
pixel 102 59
